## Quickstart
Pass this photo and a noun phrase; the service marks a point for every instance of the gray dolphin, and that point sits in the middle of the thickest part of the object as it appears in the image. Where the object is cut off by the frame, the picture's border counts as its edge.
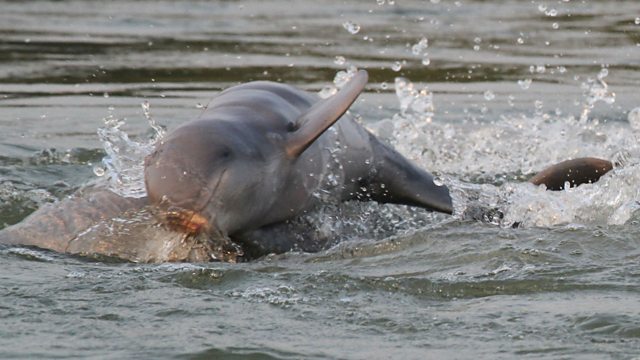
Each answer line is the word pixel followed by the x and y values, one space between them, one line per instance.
pixel 262 154
pixel 265 152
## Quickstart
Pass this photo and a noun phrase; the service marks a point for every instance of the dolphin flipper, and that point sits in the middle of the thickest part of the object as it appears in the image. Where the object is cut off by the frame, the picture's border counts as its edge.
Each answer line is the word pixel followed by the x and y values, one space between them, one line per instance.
pixel 323 114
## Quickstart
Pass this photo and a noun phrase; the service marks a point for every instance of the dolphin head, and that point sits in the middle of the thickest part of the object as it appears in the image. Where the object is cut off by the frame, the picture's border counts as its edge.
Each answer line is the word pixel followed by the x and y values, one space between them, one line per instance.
pixel 207 176
pixel 223 174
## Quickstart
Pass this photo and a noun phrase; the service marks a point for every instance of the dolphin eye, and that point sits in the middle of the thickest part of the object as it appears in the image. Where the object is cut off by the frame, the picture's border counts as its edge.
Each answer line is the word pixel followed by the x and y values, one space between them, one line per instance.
pixel 226 153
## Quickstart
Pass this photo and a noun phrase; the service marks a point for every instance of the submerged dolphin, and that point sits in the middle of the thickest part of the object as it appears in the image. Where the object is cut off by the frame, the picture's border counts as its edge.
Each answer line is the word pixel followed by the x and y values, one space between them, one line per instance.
pixel 261 154
pixel 573 172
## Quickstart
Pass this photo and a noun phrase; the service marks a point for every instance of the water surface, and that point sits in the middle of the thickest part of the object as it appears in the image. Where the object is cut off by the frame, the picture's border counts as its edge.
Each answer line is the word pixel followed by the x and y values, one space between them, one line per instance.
pixel 501 90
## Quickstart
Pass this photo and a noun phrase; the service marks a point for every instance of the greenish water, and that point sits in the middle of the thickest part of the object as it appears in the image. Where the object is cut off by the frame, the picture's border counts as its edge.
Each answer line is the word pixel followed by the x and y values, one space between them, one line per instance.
pixel 402 284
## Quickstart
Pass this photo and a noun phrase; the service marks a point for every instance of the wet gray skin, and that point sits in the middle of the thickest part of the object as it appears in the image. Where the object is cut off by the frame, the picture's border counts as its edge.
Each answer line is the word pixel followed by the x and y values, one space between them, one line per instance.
pixel 261 155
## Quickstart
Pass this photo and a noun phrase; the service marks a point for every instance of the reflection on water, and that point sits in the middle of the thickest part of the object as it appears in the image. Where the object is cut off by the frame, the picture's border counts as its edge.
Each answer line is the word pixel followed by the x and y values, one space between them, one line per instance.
pixel 482 93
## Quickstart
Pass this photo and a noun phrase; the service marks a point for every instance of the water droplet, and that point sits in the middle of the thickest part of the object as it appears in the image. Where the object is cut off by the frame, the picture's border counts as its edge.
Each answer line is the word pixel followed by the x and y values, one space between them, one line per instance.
pixel 634 118
pixel 476 47
pixel 438 182
pixel 489 95
pixel 551 12
pixel 396 66
pixel 351 27
pixel 420 46
pixel 520 41
pixel 327 91
pixel 339 60
pixel 384 86
pixel 637 21
pixel 604 72
pixel 425 60
pixel 146 109
pixel 380 2
pixel 540 69
pixel 105 95
pixel 27 40
pixel 99 170
pixel 524 84
pixel 199 106
pixel 538 104
pixel 542 7
pixel 555 25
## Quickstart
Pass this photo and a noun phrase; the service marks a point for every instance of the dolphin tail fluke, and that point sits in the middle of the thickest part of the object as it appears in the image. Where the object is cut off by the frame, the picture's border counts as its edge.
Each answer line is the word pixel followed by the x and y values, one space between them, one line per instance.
pixel 323 114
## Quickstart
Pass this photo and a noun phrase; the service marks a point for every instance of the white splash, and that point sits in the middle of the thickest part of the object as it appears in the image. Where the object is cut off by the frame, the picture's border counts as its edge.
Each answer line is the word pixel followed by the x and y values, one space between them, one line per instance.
pixel 486 165
pixel 596 90
pixel 124 164
pixel 341 78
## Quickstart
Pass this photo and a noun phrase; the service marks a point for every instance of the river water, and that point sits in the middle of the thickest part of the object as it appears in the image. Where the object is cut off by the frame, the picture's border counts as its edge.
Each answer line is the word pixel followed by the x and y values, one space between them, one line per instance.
pixel 481 93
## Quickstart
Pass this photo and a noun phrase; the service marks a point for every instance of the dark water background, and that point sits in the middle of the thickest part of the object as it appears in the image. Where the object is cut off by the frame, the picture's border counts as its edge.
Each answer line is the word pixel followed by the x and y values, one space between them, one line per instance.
pixel 565 285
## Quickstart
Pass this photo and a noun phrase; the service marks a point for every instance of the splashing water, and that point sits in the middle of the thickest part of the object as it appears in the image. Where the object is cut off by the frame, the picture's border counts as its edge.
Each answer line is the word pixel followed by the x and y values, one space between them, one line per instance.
pixel 342 78
pixel 351 27
pixel 124 164
pixel 486 165
pixel 596 90
pixel 412 100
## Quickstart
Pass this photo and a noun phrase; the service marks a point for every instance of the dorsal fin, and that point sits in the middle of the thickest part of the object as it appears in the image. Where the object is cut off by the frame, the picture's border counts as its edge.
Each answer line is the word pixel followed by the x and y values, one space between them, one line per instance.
pixel 323 114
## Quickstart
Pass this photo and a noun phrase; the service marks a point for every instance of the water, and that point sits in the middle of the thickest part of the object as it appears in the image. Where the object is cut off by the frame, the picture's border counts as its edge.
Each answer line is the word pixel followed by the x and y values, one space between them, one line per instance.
pixel 482 93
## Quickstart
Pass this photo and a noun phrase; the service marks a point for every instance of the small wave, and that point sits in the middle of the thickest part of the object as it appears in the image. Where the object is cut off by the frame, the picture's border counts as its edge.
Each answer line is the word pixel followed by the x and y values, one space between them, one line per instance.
pixel 282 295
pixel 29 254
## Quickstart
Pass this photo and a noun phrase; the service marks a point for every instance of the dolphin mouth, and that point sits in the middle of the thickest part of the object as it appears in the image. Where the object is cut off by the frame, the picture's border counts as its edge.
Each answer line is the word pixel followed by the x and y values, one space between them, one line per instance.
pixel 184 221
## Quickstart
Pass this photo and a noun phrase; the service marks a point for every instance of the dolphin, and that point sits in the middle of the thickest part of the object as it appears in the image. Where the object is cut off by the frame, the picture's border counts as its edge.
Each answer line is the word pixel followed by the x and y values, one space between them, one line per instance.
pixel 259 156
pixel 574 172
